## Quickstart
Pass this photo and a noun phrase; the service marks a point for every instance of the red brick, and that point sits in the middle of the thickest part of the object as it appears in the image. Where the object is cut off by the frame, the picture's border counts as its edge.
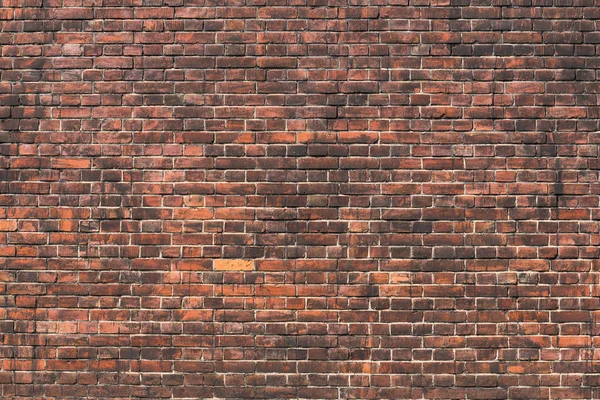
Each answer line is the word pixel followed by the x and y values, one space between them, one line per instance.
pixel 292 200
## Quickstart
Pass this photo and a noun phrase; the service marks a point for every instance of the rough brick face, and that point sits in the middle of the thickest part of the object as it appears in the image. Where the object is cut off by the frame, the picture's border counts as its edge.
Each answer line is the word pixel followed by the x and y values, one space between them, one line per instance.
pixel 322 199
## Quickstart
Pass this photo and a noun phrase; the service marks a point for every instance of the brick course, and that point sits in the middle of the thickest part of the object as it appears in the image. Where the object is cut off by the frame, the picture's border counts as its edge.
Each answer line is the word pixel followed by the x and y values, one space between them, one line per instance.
pixel 314 199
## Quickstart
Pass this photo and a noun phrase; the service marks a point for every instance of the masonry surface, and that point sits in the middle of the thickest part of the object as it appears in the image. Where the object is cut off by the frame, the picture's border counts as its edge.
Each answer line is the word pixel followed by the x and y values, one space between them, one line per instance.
pixel 320 199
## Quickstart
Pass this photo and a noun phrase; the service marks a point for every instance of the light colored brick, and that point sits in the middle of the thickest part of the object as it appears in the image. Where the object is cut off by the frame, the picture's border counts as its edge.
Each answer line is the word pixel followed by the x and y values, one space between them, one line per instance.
pixel 233 265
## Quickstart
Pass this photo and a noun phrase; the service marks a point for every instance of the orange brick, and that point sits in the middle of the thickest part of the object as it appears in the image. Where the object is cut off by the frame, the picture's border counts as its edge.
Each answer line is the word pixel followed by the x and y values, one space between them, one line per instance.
pixel 233 265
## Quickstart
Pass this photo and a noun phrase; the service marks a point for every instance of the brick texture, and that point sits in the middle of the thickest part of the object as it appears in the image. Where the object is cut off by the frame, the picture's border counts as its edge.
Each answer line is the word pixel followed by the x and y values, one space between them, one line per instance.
pixel 320 199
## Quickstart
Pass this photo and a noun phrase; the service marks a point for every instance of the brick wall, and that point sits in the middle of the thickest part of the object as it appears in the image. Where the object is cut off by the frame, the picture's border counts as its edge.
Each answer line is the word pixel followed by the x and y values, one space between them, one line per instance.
pixel 299 199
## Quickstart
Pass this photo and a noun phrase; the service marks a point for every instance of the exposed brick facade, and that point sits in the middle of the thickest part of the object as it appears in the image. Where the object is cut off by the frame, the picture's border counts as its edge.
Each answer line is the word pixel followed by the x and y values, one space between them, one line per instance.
pixel 299 199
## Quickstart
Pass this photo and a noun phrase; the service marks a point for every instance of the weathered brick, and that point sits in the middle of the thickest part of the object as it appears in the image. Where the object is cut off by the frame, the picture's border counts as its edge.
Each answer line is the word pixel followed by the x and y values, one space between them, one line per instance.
pixel 286 200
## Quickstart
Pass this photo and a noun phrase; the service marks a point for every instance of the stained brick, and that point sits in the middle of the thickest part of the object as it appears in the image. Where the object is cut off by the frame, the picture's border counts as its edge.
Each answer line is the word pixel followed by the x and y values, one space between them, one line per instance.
pixel 299 199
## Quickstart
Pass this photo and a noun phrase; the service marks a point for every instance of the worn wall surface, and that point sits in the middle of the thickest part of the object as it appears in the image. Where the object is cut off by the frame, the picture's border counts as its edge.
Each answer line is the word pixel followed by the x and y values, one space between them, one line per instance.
pixel 376 199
